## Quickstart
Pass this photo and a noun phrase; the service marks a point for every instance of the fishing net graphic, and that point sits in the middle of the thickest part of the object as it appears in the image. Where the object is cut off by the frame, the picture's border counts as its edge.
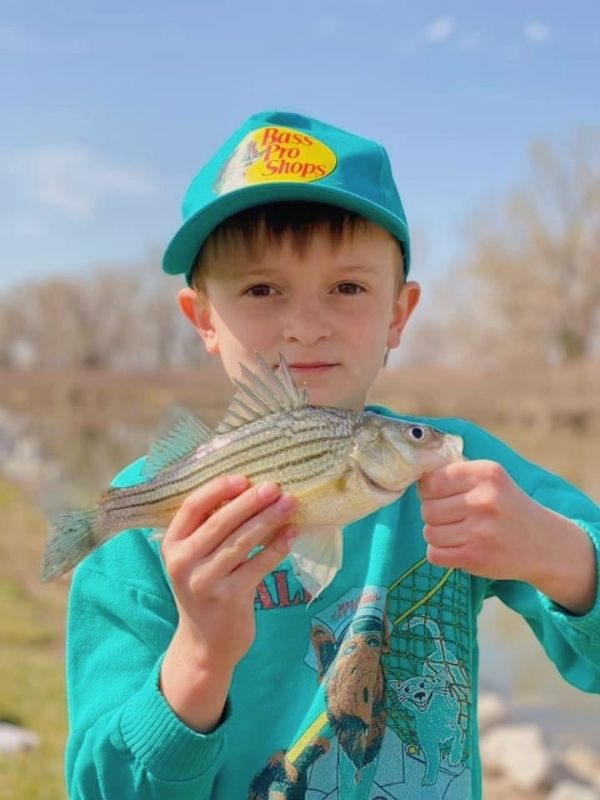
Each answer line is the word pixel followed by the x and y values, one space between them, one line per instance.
pixel 427 609
pixel 427 612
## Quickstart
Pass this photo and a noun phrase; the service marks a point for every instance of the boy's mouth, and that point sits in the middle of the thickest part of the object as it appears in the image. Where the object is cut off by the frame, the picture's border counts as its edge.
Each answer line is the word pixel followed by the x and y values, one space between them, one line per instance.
pixel 311 366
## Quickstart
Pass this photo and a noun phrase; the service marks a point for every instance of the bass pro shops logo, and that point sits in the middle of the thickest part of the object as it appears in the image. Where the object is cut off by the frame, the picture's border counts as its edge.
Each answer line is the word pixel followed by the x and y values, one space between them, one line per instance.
pixel 274 154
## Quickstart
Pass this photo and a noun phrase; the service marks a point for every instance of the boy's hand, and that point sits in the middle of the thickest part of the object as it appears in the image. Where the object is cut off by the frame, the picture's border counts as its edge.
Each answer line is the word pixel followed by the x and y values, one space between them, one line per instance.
pixel 479 520
pixel 206 551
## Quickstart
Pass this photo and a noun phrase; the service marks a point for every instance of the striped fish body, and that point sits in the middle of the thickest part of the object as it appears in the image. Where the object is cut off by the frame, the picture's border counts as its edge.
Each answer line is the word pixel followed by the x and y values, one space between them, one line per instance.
pixel 339 464
pixel 306 450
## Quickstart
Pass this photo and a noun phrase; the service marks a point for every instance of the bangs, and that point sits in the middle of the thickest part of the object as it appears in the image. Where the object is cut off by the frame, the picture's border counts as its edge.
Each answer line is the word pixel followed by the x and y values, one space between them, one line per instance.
pixel 262 226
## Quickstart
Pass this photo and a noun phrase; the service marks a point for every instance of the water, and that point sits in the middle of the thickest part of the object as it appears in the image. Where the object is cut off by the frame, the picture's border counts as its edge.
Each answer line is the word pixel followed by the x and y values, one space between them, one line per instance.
pixel 513 664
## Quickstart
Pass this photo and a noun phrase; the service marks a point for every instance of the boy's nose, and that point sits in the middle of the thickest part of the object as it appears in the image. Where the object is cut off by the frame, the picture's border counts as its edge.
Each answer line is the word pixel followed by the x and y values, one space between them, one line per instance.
pixel 305 324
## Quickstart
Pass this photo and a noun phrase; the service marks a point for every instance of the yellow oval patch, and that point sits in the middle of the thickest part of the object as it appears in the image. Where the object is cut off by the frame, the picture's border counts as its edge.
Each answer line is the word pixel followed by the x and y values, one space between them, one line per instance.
pixel 275 154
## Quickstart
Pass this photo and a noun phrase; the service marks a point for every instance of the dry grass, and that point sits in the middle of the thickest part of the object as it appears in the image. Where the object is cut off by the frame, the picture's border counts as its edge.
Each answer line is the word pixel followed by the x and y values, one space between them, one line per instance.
pixel 31 657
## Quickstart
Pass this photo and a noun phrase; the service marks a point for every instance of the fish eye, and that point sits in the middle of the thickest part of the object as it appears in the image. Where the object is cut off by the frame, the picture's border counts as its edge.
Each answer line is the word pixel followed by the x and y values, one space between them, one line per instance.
pixel 417 433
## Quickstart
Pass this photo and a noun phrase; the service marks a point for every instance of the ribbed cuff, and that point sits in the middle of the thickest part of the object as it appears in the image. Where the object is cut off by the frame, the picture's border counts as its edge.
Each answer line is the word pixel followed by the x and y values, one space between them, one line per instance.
pixel 587 624
pixel 164 745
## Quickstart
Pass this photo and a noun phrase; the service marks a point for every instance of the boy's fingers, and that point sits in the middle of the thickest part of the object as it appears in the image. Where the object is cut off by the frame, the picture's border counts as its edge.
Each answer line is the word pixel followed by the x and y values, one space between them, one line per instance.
pixel 452 479
pixel 241 524
pixel 446 536
pixel 449 557
pixel 252 571
pixel 201 503
pixel 445 510
pixel 259 530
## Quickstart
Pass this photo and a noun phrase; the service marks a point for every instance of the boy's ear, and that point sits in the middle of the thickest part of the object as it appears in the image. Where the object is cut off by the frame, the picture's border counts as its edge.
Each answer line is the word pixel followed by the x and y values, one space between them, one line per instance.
pixel 405 304
pixel 196 308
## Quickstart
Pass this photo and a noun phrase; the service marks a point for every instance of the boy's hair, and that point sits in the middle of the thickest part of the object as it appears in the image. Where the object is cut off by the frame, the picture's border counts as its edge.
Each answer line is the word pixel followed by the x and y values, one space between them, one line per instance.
pixel 270 223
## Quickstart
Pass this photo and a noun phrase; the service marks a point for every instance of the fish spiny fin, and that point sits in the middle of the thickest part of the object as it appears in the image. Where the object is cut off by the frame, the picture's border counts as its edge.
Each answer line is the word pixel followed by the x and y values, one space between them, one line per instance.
pixel 260 393
pixel 185 435
pixel 316 556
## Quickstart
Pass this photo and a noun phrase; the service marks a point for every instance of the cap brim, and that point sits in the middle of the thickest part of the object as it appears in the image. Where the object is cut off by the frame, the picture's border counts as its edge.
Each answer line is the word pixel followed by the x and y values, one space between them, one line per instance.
pixel 182 251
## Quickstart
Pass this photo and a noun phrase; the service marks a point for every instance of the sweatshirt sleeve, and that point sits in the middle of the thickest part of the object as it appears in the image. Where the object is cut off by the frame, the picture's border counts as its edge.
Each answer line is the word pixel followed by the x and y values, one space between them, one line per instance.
pixel 124 740
pixel 572 642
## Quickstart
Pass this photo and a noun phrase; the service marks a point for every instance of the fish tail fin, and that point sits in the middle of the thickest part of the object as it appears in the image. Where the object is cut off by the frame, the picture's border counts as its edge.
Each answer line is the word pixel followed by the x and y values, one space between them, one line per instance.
pixel 74 534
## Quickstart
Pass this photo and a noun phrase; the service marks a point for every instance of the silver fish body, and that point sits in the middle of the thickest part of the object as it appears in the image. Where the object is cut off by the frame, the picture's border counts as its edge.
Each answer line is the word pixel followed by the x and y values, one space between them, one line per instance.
pixel 299 449
pixel 339 464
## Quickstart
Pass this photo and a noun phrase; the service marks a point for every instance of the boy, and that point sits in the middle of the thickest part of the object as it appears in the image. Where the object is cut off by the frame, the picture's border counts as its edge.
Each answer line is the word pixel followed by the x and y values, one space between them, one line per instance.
pixel 197 668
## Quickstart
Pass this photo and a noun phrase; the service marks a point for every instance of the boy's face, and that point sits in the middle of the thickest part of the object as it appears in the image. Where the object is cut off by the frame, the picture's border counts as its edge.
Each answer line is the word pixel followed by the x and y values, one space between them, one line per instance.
pixel 331 312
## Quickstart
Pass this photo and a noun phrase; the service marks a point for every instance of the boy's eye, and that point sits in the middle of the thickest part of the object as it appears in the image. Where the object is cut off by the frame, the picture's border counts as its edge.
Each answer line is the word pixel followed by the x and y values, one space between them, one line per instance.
pixel 349 288
pixel 260 290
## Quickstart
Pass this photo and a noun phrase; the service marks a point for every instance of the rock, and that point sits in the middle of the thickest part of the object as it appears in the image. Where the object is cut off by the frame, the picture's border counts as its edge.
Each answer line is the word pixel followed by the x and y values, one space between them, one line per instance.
pixel 497 787
pixel 15 740
pixel 584 764
pixel 571 790
pixel 491 710
pixel 519 753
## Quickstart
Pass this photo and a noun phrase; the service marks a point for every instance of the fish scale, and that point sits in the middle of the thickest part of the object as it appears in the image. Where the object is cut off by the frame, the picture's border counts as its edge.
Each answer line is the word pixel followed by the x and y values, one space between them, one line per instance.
pixel 258 450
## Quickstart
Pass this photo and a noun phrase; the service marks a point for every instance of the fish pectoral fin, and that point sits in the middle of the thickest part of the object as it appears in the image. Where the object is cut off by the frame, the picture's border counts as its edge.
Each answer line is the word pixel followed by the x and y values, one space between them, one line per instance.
pixel 317 556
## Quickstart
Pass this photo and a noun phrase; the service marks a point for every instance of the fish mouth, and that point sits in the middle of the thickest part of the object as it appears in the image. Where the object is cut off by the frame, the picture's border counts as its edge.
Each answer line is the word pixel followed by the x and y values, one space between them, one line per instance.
pixel 372 484
pixel 455 446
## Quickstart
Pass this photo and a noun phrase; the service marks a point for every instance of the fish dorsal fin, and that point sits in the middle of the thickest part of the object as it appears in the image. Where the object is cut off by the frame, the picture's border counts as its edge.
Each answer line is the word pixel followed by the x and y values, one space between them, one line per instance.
pixel 185 433
pixel 261 393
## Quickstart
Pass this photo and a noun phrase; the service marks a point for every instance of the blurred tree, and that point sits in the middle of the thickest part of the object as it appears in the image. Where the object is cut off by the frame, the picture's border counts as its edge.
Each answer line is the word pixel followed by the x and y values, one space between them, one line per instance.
pixel 167 339
pixel 536 265
pixel 111 318
pixel 528 289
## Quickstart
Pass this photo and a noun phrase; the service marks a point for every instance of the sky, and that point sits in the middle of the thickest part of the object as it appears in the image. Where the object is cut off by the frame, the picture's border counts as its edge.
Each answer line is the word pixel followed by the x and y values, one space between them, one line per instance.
pixel 108 109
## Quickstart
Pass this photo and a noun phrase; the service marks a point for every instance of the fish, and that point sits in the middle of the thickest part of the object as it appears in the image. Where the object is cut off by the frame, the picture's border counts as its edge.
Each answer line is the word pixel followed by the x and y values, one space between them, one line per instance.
pixel 340 464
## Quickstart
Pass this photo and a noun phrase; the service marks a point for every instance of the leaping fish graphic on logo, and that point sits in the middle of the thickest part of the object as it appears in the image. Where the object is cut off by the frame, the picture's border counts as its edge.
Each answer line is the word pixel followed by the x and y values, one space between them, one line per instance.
pixel 233 174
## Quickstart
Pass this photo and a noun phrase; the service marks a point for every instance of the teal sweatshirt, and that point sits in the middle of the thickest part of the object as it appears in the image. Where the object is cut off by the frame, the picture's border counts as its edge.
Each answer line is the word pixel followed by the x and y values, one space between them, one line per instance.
pixel 369 692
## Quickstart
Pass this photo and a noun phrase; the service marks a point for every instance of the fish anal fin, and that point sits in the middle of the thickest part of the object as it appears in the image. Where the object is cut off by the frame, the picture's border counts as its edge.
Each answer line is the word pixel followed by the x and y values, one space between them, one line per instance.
pixel 316 556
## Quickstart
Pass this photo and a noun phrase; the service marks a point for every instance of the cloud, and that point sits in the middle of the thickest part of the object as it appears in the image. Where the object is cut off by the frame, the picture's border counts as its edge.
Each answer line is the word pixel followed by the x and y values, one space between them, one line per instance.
pixel 405 47
pixel 470 42
pixel 73 180
pixel 511 53
pixel 439 30
pixel 328 27
pixel 537 32
pixel 27 228
pixel 13 40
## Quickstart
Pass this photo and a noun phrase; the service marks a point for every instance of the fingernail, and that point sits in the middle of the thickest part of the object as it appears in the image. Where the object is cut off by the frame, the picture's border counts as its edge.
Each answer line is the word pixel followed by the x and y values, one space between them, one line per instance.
pixel 268 491
pixel 291 533
pixel 285 503
pixel 238 481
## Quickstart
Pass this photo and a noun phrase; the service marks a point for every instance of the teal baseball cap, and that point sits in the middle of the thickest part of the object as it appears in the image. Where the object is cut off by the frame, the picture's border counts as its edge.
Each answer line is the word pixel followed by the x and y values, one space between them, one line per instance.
pixel 279 156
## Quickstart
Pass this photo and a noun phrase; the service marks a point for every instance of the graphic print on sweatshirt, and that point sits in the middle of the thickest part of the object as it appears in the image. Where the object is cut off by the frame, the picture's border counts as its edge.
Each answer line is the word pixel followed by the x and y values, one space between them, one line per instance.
pixel 391 713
